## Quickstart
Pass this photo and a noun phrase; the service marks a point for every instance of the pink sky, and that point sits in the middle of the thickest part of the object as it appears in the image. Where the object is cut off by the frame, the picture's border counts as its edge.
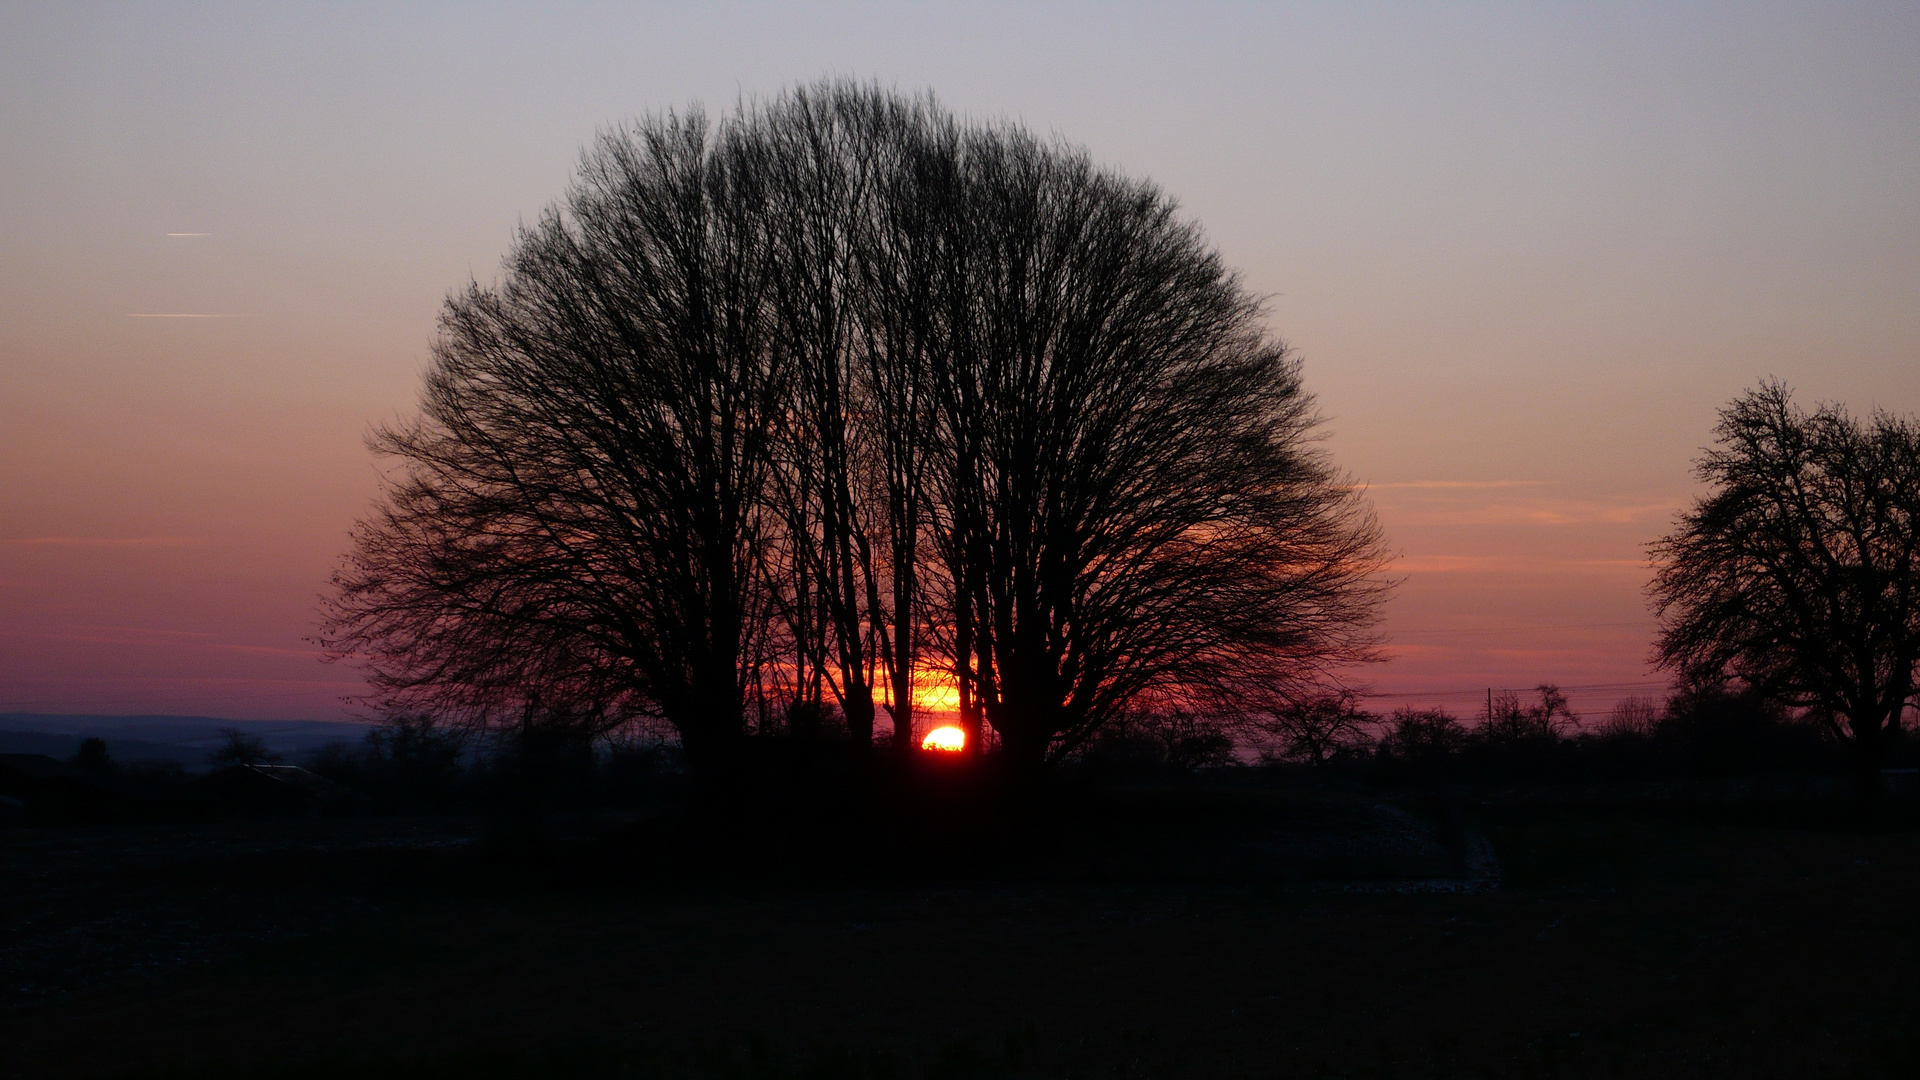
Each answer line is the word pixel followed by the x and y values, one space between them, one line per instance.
pixel 1526 253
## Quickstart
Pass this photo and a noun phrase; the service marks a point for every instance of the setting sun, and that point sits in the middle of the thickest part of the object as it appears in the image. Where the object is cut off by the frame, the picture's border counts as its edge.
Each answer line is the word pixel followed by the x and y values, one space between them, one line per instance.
pixel 948 739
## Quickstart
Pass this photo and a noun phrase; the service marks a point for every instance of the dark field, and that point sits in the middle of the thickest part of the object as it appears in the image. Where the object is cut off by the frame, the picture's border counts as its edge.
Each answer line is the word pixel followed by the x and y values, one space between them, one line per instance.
pixel 1623 938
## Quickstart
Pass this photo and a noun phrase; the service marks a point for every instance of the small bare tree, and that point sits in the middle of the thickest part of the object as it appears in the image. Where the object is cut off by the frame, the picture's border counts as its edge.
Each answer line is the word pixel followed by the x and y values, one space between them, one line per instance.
pixel 239 748
pixel 1314 729
pixel 1509 721
pixel 1631 717
pixel 1424 735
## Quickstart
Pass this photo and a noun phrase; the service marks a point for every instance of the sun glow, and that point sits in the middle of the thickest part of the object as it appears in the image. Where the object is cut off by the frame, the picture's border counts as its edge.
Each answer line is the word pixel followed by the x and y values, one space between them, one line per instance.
pixel 948 739
pixel 935 691
pixel 936 698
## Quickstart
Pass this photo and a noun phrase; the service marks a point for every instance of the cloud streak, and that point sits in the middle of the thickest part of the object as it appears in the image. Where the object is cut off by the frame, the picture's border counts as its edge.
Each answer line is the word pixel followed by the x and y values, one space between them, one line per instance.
pixel 143 630
pixel 1453 485
pixel 134 636
pixel 1485 630
pixel 106 541
pixel 1498 564
pixel 1548 513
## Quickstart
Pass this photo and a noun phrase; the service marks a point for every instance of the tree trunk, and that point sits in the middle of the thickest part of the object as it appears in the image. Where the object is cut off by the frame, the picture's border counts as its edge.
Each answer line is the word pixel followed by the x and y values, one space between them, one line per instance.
pixel 1023 739
pixel 859 710
pixel 1869 753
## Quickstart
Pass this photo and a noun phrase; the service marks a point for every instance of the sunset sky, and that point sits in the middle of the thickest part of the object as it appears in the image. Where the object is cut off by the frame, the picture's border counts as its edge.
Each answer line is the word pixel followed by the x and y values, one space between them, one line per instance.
pixel 1526 251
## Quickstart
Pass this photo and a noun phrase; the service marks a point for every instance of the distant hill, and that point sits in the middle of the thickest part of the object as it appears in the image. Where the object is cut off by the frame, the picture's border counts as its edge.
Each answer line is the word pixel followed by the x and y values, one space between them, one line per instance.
pixel 183 739
pixel 123 751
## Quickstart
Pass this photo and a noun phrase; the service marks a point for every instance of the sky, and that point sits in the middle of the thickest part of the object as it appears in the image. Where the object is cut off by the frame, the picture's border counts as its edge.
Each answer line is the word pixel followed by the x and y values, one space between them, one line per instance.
pixel 1525 252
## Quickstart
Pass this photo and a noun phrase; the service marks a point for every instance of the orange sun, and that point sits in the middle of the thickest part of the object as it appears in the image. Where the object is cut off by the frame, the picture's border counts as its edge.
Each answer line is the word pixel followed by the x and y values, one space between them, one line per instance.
pixel 949 739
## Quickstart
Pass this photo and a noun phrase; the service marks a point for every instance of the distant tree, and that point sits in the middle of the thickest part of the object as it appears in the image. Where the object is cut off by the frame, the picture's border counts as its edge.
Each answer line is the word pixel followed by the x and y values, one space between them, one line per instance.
pixel 1631 717
pixel 239 748
pixel 1192 740
pixel 338 760
pixel 1509 721
pixel 1178 740
pixel 1316 728
pixel 1712 730
pixel 92 756
pixel 1798 575
pixel 1424 735
pixel 415 753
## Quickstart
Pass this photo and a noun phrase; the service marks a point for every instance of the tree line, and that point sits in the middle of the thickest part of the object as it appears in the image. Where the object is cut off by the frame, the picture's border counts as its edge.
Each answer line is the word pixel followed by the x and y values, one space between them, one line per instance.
pixel 1702 731
pixel 782 419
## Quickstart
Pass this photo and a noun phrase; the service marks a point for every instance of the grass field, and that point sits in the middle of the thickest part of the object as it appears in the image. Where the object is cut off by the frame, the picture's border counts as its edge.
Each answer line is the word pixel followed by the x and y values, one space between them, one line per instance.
pixel 1622 940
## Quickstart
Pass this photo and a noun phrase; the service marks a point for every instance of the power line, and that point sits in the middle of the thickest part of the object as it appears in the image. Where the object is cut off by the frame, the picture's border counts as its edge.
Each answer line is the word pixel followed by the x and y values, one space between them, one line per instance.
pixel 1584 688
pixel 1521 629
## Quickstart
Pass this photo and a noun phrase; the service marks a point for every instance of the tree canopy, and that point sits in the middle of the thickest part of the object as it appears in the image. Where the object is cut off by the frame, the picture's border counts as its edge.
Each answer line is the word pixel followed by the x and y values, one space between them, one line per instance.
pixel 837 397
pixel 1798 573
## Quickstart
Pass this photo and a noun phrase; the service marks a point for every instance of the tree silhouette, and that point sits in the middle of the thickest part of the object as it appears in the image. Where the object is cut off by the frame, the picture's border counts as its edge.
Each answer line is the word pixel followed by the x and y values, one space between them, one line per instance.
pixel 239 748
pixel 1316 728
pixel 1798 574
pixel 93 756
pixel 790 410
pixel 1132 495
pixel 852 291
pixel 577 531
pixel 1509 722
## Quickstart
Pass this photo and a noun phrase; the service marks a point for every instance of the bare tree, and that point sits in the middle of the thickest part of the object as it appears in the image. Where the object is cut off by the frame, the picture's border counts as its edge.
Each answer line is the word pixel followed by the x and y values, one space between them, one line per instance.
pixel 1424 736
pixel 239 748
pixel 819 175
pixel 1797 575
pixel 1509 721
pixel 840 391
pixel 575 531
pixel 897 258
pixel 1133 506
pixel 1631 717
pixel 852 288
pixel 1316 728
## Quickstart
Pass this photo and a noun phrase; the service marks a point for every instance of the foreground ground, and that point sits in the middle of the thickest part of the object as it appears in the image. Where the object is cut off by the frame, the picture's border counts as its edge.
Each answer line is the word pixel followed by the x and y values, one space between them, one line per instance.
pixel 1622 940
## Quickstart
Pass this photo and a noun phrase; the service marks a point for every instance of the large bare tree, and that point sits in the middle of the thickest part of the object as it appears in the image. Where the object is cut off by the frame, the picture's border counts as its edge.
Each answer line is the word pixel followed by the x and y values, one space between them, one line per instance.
pixel 577 521
pixel 1133 501
pixel 836 394
pixel 1799 574
pixel 851 288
